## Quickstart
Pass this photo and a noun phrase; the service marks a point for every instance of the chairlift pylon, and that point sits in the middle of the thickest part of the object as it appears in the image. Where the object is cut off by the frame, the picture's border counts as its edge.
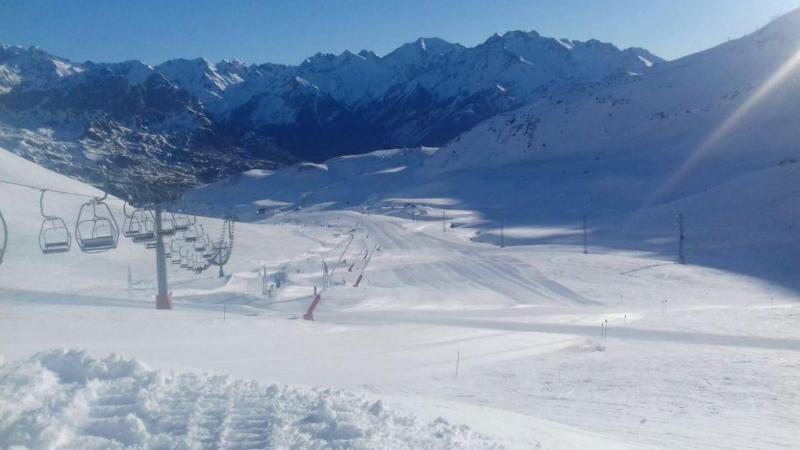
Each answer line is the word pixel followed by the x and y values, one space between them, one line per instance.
pixel 223 248
pixel 96 229
pixel 54 236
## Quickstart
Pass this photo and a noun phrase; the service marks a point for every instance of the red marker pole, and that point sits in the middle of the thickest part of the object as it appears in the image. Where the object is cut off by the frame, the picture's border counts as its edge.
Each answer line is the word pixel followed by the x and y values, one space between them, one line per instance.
pixel 309 315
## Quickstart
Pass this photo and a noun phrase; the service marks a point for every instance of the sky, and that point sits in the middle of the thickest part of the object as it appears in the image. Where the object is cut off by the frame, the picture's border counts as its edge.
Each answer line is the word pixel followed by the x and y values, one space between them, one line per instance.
pixel 288 31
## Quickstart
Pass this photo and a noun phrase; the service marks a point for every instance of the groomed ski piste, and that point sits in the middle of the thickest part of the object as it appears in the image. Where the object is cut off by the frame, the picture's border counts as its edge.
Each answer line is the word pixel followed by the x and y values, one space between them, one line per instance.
pixel 448 341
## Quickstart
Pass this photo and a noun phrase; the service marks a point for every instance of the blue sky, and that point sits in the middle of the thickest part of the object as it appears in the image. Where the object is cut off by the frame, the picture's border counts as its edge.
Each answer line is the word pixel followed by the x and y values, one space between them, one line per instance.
pixel 290 30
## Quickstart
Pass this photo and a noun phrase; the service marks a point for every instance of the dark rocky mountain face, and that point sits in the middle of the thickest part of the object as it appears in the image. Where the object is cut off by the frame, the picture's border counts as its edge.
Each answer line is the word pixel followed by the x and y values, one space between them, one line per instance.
pixel 190 121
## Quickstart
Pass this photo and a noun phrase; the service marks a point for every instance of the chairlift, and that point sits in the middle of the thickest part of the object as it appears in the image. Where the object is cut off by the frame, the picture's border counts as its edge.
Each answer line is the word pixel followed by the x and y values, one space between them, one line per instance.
pixel 182 222
pixel 200 265
pixel 145 230
pixel 168 227
pixel 3 237
pixel 184 259
pixel 131 226
pixel 201 245
pixel 176 256
pixel 96 229
pixel 54 236
pixel 192 232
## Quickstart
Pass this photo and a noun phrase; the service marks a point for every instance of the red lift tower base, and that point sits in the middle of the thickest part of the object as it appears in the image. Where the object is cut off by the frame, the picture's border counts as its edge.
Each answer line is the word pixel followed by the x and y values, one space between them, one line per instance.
pixel 164 301
pixel 309 315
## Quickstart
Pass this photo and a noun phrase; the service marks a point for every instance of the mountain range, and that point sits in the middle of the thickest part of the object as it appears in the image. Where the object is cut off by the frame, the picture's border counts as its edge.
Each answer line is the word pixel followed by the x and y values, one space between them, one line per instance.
pixel 190 121
pixel 711 137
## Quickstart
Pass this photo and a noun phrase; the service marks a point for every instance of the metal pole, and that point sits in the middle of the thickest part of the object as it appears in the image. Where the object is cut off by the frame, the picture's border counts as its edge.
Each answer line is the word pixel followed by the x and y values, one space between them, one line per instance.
pixel 219 255
pixel 163 299
pixel 444 228
pixel 681 239
pixel 585 238
pixel 502 232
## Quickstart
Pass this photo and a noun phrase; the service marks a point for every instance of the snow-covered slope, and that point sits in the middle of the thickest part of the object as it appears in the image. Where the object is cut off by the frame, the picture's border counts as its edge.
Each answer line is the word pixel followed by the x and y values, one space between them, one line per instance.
pixel 712 135
pixel 504 340
pixel 715 104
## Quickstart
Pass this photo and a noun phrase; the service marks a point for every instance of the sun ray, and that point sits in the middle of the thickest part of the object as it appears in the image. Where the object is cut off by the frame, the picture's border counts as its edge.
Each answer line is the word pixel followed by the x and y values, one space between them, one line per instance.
pixel 770 85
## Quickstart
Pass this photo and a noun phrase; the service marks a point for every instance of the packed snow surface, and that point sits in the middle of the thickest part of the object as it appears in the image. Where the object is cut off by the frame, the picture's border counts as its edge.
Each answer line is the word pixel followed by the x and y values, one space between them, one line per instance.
pixel 509 342
pixel 521 281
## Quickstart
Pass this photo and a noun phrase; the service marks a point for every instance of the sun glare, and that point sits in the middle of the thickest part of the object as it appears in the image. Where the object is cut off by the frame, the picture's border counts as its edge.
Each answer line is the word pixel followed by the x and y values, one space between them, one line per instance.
pixel 711 143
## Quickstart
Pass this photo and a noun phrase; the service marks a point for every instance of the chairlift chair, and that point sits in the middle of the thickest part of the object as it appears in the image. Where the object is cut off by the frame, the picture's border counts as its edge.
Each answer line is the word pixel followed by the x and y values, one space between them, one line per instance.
pixel 131 226
pixel 54 236
pixel 192 232
pixel 201 244
pixel 182 222
pixel 184 259
pixel 199 265
pixel 176 257
pixel 168 224
pixel 146 226
pixel 96 229
pixel 3 237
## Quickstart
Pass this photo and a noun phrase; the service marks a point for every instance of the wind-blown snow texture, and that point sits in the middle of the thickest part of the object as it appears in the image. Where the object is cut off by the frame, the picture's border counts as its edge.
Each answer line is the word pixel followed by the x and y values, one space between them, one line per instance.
pixel 190 120
pixel 68 399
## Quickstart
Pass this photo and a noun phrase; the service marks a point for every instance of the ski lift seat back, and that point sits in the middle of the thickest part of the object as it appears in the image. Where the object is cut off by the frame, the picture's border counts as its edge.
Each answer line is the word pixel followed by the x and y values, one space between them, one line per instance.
pixel 146 226
pixel 96 229
pixel 54 236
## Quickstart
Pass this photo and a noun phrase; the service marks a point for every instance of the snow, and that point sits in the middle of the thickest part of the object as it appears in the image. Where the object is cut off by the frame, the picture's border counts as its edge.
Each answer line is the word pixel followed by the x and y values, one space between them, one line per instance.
pixel 646 61
pixel 713 367
pixel 69 399
pixel 432 334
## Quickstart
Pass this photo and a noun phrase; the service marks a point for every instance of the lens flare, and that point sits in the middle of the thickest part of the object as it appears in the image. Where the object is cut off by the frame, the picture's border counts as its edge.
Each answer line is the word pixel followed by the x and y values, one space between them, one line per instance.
pixel 773 82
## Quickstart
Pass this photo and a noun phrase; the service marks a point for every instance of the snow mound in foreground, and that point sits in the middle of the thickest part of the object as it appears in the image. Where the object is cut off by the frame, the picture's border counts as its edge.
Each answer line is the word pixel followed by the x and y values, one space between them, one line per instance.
pixel 68 399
